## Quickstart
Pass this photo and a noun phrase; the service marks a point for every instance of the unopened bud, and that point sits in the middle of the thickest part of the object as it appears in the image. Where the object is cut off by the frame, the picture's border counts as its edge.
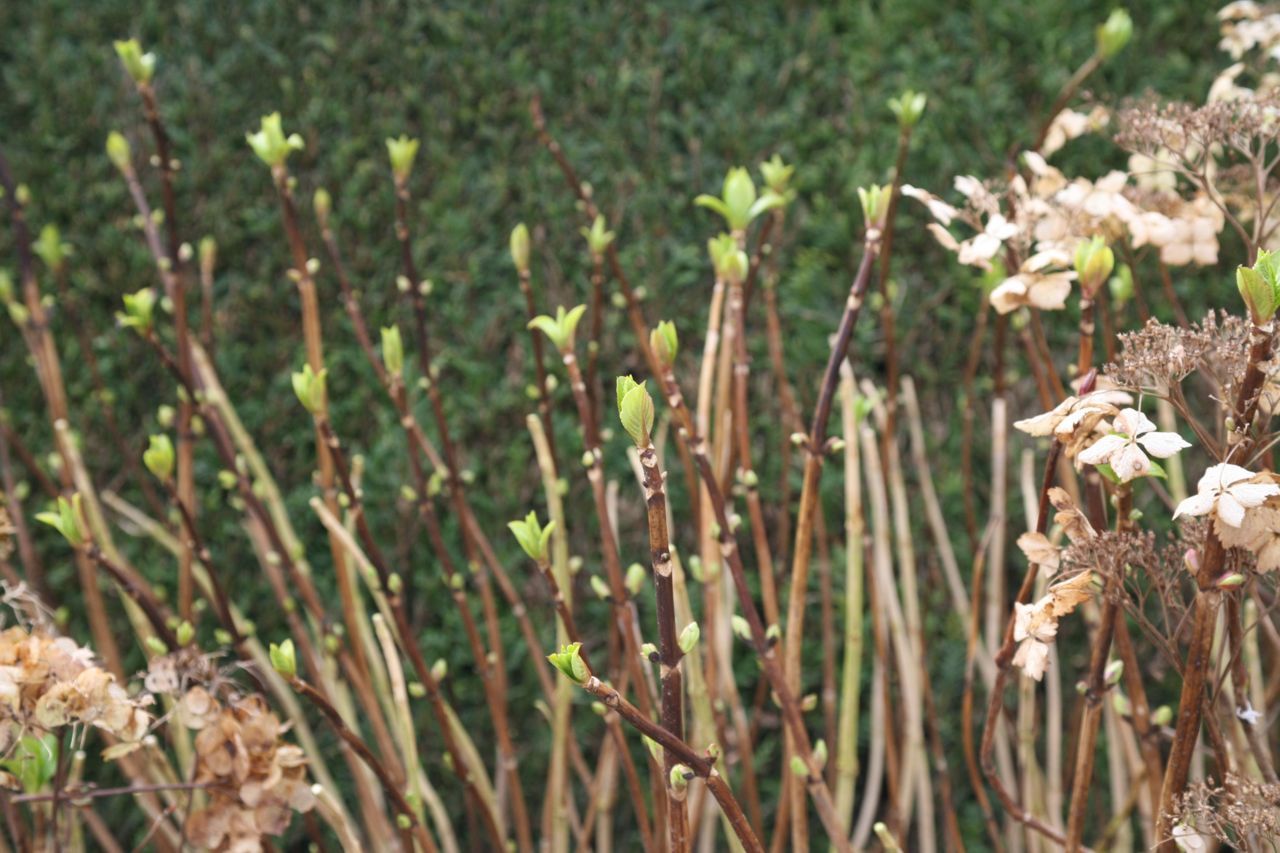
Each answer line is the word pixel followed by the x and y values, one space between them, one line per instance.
pixel 820 753
pixel 635 578
pixel 1114 671
pixel 1113 34
pixel 283 658
pixel 688 640
pixel 1094 261
pixel 520 248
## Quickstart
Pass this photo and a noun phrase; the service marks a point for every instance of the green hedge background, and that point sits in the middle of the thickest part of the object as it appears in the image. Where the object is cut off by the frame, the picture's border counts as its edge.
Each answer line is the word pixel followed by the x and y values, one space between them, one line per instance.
pixel 653 101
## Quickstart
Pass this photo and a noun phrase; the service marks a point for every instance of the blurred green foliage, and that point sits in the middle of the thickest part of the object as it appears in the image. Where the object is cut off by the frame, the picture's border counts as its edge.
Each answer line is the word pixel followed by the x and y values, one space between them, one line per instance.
pixel 653 101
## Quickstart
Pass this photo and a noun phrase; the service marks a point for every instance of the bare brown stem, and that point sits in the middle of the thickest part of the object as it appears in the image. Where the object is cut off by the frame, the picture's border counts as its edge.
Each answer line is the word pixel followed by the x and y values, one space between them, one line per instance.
pixel 404 811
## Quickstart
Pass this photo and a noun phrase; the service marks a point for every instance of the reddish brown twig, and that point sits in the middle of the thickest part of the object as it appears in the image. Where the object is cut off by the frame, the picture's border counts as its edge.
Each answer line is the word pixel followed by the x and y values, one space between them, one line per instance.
pixel 669 650
pixel 405 815
pixel 1207 601
pixel 701 766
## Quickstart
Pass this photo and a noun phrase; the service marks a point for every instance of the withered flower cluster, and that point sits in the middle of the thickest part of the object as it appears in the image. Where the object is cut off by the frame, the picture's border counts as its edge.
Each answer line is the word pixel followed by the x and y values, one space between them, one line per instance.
pixel 1158 355
pixel 1190 136
pixel 255 780
pixel 1241 812
pixel 48 682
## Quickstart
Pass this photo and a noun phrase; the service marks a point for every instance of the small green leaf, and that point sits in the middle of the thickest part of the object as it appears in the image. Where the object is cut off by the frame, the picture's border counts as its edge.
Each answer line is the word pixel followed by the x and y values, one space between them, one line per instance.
pixel 875 204
pixel 283 658
pixel 158 457
pixel 532 536
pixel 140 66
pixel 34 761
pixel 309 386
pixel 561 328
pixel 66 520
pixel 401 152
pixel 664 342
pixel 908 107
pixel 635 410
pixel 139 311
pixel 1259 296
pixel 270 143
pixel 713 204
pixel 624 385
pixel 569 661
pixel 393 350
pixel 768 201
pixel 777 175
pixel 598 236
pixel 1108 472
pixel 50 248
pixel 739 197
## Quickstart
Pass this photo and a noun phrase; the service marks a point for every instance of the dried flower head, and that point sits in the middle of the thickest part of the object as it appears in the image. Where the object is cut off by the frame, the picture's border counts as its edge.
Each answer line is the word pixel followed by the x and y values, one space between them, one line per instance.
pixel 1158 356
pixel 1035 625
pixel 48 682
pixel 256 780
pixel 1239 808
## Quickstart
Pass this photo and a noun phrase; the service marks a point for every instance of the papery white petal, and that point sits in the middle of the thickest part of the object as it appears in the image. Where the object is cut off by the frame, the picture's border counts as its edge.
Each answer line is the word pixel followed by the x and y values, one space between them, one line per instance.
pixel 1188 840
pixel 969 186
pixel 1103 449
pixel 944 237
pixel 1133 423
pixel 1043 260
pixel 1010 295
pixel 1162 445
pixel 1253 494
pixel 1040 425
pixel 1068 424
pixel 1230 510
pixel 938 208
pixel 1226 474
pixel 981 248
pixel 1197 504
pixel 1000 228
pixel 1033 657
pixel 1050 292
pixel 1130 462
pixel 1109 396
pixel 1021 620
